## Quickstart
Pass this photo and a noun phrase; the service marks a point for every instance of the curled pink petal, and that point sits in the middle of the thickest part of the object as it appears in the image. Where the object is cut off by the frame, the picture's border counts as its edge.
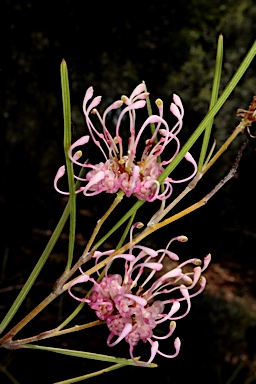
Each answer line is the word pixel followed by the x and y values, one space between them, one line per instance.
pixel 127 329
pixel 175 111
pixel 135 298
pixel 207 261
pixel 88 96
pixel 175 307
pixel 139 89
pixel 94 180
pixel 154 350
pixel 177 345
pixel 172 328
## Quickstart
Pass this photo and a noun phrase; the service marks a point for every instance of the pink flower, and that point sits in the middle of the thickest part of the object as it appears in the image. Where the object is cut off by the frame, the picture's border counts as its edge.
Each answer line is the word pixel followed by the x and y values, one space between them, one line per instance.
pixel 123 168
pixel 135 303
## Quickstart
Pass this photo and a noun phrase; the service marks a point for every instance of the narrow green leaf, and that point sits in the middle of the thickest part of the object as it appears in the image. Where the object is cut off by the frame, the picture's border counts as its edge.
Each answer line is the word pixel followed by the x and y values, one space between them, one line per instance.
pixel 69 164
pixel 210 115
pixel 126 231
pixel 89 375
pixel 86 355
pixel 214 98
pixel 39 265
pixel 71 316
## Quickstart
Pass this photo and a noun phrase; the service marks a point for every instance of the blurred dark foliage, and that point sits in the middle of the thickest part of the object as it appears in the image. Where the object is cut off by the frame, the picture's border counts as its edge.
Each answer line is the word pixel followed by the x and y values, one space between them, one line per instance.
pixel 114 46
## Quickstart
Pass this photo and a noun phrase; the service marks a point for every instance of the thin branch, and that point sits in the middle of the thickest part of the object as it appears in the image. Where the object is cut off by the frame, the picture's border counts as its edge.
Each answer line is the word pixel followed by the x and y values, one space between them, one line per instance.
pixel 54 333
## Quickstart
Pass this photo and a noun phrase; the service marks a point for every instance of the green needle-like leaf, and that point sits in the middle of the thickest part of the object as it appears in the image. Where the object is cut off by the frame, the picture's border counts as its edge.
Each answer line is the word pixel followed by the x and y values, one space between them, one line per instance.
pixel 89 375
pixel 214 98
pixel 210 115
pixel 69 164
pixel 38 267
pixel 86 355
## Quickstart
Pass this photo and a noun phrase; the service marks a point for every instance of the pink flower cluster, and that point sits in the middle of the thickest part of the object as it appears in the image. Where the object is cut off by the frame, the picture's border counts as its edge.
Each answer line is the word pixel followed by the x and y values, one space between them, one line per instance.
pixel 121 169
pixel 134 304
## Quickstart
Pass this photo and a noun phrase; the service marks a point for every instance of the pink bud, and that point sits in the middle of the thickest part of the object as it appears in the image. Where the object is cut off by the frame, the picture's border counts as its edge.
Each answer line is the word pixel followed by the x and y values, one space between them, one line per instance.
pixel 94 103
pixel 177 101
pixel 184 292
pixel 175 111
pixel 83 140
pixel 143 96
pixel 138 104
pixel 173 273
pixel 154 119
pixel 177 344
pixel 88 96
pixel 60 173
pixel 142 302
pixel 197 274
pixel 140 88
pixel 155 266
pixel 202 282
pixel 207 261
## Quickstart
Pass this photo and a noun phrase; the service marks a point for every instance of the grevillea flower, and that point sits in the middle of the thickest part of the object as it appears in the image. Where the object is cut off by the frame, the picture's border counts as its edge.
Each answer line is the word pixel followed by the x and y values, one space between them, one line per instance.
pixel 121 167
pixel 135 303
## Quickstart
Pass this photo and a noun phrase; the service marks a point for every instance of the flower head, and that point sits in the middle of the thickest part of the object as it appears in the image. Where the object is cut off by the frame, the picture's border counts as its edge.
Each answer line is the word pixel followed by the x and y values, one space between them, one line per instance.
pixel 123 167
pixel 135 303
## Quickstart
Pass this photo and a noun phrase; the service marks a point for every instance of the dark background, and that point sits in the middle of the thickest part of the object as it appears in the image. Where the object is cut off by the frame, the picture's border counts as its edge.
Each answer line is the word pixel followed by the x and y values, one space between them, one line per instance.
pixel 114 46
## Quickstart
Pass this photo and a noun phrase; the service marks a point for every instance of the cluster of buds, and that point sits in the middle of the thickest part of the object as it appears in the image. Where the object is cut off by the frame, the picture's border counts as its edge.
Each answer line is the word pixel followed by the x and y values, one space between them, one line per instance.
pixel 121 168
pixel 135 303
